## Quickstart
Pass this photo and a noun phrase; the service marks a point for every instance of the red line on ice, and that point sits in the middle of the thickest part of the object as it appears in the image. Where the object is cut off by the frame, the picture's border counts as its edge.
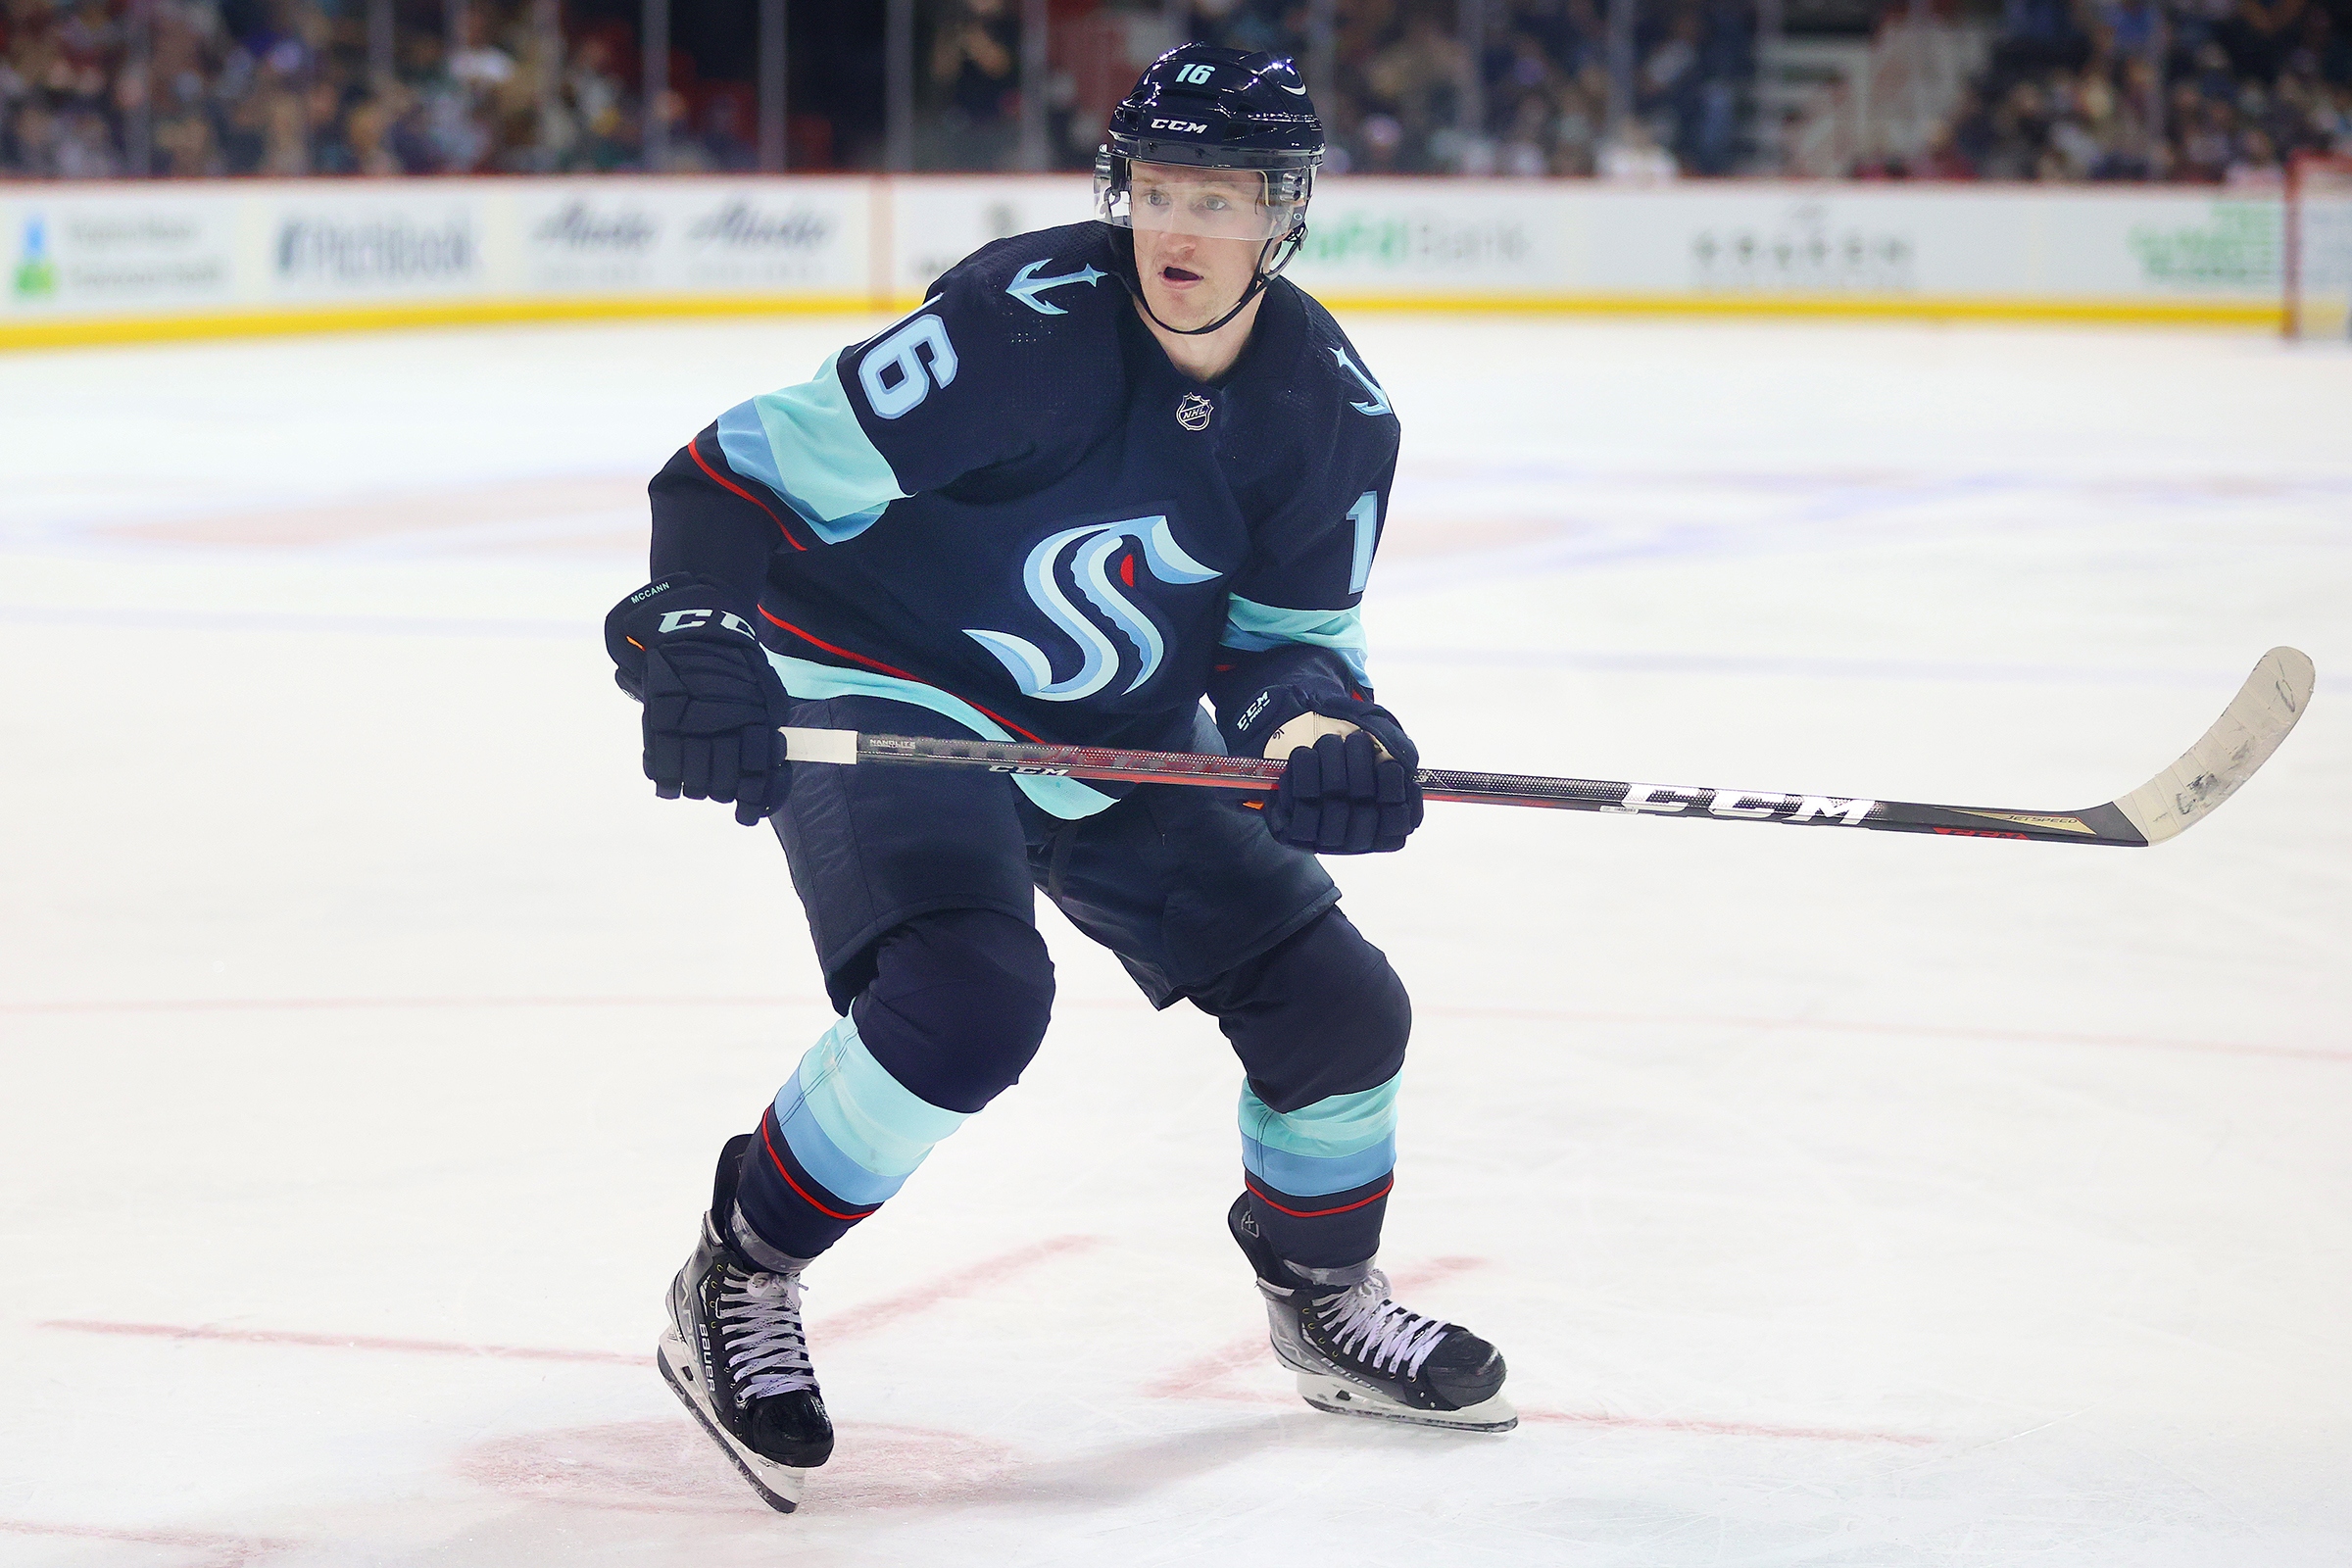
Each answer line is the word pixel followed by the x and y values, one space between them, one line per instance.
pixel 854 1324
pixel 347 1342
pixel 1198 1378
pixel 1206 1378
pixel 963 1282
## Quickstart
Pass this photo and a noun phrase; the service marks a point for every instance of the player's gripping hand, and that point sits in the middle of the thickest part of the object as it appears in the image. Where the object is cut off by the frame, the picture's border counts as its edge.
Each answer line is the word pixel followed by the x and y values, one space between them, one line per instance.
pixel 1349 787
pixel 685 648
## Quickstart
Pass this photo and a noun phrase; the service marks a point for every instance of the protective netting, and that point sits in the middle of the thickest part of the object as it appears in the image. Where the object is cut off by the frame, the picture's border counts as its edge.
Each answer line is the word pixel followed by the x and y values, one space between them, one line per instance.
pixel 2319 249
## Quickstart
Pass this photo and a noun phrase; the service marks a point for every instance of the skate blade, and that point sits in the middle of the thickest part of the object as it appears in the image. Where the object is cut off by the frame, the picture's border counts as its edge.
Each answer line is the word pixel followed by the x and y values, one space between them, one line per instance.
pixel 1341 1398
pixel 778 1485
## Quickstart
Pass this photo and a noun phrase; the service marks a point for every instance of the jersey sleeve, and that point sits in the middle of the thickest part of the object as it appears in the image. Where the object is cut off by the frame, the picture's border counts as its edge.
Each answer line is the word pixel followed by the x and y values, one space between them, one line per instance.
pixel 1305 580
pixel 915 407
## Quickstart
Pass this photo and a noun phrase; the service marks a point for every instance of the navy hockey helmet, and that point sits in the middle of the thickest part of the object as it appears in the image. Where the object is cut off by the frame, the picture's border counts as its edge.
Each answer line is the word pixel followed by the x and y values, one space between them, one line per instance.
pixel 1203 107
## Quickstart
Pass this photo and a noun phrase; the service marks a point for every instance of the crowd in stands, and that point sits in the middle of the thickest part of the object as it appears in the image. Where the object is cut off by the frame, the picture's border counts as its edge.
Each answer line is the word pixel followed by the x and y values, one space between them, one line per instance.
pixel 289 89
pixel 1408 97
pixel 2218 90
pixel 2197 91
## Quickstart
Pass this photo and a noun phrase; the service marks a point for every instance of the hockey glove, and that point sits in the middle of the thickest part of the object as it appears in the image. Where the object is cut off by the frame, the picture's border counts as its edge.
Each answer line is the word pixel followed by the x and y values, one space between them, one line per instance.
pixel 1349 787
pixel 684 646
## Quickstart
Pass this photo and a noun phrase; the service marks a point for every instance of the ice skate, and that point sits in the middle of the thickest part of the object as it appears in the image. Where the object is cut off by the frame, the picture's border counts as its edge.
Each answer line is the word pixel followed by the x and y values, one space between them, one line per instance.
pixel 1357 1352
pixel 737 1356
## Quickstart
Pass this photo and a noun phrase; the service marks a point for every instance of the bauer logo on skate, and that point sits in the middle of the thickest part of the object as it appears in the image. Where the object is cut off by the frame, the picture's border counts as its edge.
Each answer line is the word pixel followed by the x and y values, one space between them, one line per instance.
pixel 1759 805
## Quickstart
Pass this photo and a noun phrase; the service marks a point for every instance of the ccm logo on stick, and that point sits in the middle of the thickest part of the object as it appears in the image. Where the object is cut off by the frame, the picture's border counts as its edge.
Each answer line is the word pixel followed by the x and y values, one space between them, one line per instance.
pixel 1745 803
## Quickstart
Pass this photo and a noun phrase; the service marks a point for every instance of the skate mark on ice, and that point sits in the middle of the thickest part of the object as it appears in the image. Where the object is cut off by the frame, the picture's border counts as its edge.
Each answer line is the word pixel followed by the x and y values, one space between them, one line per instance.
pixel 213 1549
pixel 663 1467
pixel 2223 1047
pixel 970 1280
pixel 1699 1427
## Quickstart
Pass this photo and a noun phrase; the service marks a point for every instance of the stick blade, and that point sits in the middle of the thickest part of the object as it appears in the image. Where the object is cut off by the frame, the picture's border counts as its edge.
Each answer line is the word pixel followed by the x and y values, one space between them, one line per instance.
pixel 2259 718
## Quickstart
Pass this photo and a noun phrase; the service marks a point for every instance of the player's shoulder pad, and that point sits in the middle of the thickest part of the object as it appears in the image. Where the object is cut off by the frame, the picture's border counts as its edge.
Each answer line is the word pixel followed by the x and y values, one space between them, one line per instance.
pixel 1052 276
pixel 1331 366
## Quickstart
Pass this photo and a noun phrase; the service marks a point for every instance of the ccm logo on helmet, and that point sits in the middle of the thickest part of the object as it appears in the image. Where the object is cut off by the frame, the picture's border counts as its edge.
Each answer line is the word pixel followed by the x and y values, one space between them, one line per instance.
pixel 687 619
pixel 1193 125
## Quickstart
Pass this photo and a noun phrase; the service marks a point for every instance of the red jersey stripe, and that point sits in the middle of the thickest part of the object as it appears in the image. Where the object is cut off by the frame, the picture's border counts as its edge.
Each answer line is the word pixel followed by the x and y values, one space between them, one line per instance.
pixel 888 669
pixel 695 451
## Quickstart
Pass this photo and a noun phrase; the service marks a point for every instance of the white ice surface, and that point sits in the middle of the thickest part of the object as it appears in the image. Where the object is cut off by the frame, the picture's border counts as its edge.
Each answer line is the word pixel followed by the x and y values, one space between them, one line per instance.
pixel 1839 1199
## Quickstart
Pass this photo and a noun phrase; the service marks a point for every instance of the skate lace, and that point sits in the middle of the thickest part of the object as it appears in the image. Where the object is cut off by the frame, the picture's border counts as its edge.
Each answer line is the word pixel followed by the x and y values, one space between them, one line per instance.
pixel 1367 1325
pixel 768 1351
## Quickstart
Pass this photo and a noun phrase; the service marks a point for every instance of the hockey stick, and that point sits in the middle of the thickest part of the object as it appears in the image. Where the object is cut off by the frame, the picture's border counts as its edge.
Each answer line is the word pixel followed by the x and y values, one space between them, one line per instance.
pixel 2240 741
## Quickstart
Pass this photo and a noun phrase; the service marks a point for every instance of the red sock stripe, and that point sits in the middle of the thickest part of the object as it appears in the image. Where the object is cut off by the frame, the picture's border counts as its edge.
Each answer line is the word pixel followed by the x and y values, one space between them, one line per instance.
pixel 785 1171
pixel 888 669
pixel 1317 1214
pixel 695 451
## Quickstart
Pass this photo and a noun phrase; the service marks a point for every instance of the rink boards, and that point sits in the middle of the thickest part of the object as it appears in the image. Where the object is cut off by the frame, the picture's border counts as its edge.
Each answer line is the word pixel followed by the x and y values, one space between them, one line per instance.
pixel 124 261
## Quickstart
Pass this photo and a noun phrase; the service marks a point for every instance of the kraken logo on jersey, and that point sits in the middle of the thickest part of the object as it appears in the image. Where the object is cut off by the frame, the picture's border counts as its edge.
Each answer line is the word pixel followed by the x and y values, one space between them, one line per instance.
pixel 1380 400
pixel 1091 551
pixel 1026 286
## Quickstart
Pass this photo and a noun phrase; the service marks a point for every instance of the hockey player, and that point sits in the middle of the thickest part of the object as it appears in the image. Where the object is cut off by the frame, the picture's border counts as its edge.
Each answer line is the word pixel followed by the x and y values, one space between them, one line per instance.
pixel 1100 472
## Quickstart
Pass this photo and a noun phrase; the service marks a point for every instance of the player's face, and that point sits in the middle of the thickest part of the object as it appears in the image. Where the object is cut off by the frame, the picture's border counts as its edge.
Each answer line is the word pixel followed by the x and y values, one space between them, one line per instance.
pixel 1199 233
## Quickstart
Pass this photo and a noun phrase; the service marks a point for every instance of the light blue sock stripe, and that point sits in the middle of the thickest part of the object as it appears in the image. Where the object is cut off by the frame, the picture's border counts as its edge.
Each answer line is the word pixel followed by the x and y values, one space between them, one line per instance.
pixel 1308 1176
pixel 867 1130
pixel 823 1158
pixel 1331 1127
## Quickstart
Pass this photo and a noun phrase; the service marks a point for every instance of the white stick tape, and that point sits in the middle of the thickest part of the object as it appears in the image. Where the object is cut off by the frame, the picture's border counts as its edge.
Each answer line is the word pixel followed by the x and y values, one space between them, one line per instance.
pixel 818 745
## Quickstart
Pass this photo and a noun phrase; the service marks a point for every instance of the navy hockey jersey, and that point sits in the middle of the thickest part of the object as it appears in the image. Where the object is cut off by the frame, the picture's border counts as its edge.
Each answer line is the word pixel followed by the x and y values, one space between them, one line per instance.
pixel 1013 508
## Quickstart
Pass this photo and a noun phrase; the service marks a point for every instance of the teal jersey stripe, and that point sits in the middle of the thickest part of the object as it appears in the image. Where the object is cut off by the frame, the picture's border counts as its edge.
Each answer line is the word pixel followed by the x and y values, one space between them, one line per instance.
pixel 877 1130
pixel 1253 627
pixel 1314 1176
pixel 1330 1128
pixel 1065 798
pixel 806 444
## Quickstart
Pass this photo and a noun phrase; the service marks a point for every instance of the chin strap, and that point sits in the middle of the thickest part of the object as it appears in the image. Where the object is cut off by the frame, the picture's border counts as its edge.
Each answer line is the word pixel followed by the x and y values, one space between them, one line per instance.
pixel 1131 278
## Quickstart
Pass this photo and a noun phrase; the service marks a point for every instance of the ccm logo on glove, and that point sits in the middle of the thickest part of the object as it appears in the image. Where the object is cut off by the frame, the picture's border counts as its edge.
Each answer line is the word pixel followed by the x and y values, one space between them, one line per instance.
pixel 713 703
pixel 686 620
pixel 1349 787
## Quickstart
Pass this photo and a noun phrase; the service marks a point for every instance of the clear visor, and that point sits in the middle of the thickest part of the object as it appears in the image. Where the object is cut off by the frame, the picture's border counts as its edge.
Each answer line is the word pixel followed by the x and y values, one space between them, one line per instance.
pixel 1177 199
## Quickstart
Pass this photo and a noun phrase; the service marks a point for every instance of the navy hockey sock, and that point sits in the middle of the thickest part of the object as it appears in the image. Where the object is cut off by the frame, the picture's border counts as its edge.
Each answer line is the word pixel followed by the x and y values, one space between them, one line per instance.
pixel 1320 1021
pixel 955 1011
pixel 1319 1177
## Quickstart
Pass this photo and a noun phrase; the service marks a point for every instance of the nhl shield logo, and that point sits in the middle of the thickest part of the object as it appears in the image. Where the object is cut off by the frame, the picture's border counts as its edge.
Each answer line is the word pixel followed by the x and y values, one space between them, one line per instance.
pixel 1192 411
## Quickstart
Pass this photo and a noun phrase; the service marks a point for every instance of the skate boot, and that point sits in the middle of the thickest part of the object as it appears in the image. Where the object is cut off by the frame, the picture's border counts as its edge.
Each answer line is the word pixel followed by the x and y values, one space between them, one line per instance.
pixel 1357 1352
pixel 736 1355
